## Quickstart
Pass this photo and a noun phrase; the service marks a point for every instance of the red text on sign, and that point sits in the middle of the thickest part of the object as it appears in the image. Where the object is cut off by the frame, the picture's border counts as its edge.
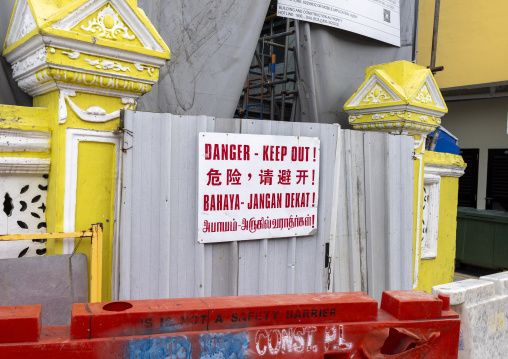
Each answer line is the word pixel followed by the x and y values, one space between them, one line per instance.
pixel 274 153
pixel 226 152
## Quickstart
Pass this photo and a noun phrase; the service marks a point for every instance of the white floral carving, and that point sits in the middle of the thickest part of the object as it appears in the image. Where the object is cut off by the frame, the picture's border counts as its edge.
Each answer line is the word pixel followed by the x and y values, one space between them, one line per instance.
pixel 424 118
pixel 140 67
pixel 91 114
pixel 108 65
pixel 108 24
pixel 378 116
pixel 354 118
pixel 424 95
pixel 376 95
pixel 398 114
pixel 72 55
pixel 31 62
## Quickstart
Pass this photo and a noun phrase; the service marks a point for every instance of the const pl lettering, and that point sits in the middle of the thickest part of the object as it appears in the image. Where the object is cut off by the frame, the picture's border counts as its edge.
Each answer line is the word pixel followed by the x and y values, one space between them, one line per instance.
pixel 297 340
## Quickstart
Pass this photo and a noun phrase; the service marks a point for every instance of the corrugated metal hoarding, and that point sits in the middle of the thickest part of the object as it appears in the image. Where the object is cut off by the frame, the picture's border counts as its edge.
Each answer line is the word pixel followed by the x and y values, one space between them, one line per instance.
pixel 364 217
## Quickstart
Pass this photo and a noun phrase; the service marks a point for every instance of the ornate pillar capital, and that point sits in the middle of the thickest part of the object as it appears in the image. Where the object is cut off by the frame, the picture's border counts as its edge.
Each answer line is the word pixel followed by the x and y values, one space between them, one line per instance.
pixel 399 98
pixel 100 47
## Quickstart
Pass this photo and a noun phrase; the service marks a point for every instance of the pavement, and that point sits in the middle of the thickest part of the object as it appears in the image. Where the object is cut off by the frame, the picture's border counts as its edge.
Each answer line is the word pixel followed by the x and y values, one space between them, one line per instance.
pixel 469 272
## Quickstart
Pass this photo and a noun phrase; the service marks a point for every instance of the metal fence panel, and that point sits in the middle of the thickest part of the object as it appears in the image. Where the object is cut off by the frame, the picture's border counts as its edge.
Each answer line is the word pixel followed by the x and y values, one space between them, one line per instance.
pixel 292 265
pixel 389 211
pixel 363 178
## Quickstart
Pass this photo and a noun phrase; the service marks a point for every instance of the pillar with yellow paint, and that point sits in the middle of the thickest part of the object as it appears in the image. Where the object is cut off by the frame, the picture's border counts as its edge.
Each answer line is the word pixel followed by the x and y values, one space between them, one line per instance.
pixel 82 61
pixel 403 98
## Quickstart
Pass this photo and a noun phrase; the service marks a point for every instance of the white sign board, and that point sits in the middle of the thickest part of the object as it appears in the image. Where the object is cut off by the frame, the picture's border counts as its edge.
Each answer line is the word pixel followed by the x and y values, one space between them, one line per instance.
pixel 378 19
pixel 256 186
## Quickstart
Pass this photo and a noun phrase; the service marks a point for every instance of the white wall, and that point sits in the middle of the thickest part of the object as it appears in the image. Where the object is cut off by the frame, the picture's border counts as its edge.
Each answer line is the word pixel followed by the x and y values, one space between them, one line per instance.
pixel 479 124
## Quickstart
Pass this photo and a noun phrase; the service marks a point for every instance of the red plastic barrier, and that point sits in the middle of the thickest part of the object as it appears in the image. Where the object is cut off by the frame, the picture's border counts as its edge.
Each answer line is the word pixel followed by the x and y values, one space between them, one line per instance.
pixel 20 324
pixel 332 325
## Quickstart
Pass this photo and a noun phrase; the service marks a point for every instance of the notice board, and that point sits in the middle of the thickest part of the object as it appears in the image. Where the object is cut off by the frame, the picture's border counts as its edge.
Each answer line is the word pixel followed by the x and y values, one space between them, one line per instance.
pixel 256 186
pixel 377 19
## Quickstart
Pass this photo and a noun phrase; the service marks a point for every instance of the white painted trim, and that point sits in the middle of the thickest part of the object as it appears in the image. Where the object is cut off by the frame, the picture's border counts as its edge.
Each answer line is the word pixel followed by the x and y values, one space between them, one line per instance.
pixel 444 170
pixel 434 92
pixel 397 108
pixel 402 130
pixel 31 45
pixel 58 86
pixel 98 50
pixel 24 165
pixel 74 137
pixel 130 19
pixel 25 49
pixel 429 242
pixel 368 87
pixel 23 22
pixel 418 220
pixel 30 64
pixel 24 141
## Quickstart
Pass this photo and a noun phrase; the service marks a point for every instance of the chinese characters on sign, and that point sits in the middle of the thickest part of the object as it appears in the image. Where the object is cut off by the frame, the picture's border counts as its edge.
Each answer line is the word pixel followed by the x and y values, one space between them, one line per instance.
pixel 378 19
pixel 256 186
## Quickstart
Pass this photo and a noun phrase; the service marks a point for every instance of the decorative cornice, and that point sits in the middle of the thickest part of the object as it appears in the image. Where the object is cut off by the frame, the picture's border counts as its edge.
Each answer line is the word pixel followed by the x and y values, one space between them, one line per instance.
pixel 396 108
pixel 50 79
pixel 444 170
pixel 24 141
pixel 33 44
pixel 108 56
pixel 32 63
pixel 24 165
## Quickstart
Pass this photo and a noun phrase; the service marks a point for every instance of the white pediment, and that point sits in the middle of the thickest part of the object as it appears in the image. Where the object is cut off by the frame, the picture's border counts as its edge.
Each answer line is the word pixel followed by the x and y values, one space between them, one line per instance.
pixel 429 94
pixel 22 23
pixel 374 91
pixel 129 20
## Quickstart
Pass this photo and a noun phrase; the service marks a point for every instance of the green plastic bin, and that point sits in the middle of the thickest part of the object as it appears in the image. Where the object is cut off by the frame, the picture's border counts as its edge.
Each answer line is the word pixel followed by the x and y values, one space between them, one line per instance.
pixel 482 238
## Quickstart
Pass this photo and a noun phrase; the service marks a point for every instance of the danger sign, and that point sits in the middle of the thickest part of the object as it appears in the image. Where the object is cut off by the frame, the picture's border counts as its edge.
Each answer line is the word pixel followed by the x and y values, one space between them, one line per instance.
pixel 256 186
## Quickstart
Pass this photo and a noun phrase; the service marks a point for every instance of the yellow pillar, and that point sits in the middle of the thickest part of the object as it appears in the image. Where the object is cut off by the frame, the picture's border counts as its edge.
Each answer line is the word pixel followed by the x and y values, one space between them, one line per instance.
pixel 84 62
pixel 403 98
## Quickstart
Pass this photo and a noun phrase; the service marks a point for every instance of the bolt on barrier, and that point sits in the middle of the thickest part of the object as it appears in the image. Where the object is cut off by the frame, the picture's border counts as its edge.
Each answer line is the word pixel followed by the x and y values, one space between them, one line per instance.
pixel 482 305
pixel 409 324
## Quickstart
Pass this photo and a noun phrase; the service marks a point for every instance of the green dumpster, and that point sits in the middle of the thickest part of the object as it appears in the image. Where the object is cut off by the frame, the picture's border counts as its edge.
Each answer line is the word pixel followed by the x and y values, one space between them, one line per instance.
pixel 482 238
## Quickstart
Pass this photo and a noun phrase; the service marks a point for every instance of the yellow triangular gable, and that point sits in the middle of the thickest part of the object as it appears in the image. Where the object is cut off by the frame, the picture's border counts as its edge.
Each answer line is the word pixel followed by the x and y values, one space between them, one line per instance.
pixel 69 20
pixel 376 91
pixel 428 95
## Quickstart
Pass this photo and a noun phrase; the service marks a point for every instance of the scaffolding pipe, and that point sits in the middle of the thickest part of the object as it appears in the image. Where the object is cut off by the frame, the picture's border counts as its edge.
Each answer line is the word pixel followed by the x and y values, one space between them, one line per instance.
pixel 272 36
pixel 272 69
pixel 434 34
pixel 274 83
pixel 285 74
pixel 278 45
